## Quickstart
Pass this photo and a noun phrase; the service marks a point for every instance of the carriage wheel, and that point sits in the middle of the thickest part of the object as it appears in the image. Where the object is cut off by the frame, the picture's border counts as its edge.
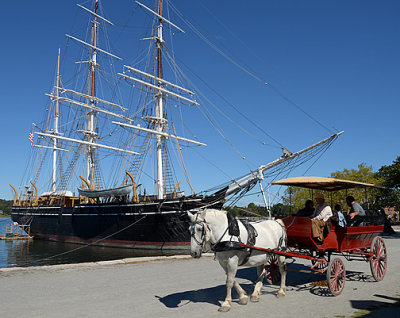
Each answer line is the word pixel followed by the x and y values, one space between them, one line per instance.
pixel 321 267
pixel 378 262
pixel 272 273
pixel 336 276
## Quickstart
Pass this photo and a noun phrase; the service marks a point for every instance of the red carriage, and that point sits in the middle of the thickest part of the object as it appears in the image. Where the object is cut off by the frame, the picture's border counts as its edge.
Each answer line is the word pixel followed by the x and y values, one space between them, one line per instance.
pixel 353 243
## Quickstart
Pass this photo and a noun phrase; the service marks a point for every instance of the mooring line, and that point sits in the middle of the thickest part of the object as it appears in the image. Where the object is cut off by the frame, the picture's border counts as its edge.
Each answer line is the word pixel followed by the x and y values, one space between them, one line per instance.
pixel 92 243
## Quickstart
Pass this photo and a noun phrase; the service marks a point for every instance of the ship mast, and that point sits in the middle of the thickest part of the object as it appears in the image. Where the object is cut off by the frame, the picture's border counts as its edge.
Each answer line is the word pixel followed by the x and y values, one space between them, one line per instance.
pixel 55 128
pixel 159 113
pixel 92 104
pixel 163 89
pixel 91 125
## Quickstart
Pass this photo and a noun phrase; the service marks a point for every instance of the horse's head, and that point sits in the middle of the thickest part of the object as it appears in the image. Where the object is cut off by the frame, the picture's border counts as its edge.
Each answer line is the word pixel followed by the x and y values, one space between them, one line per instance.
pixel 200 235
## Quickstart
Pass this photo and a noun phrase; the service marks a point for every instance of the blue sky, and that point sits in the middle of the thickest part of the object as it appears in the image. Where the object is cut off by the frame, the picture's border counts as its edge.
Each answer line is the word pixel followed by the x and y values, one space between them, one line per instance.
pixel 338 60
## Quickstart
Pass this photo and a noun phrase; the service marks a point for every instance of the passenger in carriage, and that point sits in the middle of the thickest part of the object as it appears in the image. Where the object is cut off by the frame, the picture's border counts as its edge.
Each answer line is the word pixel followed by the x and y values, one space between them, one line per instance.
pixel 356 211
pixel 308 209
pixel 338 216
pixel 321 215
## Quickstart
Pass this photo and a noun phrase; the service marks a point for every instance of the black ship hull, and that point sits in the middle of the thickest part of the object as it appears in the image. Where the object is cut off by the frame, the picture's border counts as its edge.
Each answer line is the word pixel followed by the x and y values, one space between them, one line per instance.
pixel 154 226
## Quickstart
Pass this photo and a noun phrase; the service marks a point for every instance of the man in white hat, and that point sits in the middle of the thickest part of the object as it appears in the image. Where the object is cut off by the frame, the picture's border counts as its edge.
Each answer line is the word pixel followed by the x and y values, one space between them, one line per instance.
pixel 321 215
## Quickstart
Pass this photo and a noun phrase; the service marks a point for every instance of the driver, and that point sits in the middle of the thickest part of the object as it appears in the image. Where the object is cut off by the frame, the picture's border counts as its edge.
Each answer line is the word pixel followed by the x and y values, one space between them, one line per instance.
pixel 321 215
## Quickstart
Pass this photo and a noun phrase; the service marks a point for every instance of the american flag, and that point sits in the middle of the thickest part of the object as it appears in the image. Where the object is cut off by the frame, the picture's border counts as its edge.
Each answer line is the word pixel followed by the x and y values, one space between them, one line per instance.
pixel 96 4
pixel 30 138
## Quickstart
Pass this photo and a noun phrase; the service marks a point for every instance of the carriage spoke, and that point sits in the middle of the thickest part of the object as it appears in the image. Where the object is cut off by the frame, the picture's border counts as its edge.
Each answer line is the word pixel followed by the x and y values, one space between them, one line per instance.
pixel 272 273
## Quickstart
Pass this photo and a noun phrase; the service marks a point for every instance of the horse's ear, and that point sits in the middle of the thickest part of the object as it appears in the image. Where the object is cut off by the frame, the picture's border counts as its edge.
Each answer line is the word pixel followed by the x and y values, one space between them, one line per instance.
pixel 191 217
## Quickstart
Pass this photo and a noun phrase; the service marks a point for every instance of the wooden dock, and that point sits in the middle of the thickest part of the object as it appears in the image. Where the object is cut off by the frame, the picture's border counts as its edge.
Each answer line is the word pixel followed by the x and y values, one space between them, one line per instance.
pixel 16 232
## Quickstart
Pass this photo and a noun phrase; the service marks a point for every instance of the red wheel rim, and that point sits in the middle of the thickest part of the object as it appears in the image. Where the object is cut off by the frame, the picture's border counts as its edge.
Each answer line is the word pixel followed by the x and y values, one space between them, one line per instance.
pixel 378 262
pixel 336 276
pixel 272 273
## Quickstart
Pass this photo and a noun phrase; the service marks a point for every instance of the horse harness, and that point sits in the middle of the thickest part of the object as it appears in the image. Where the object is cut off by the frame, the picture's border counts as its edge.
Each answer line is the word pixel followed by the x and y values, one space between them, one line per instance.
pixel 233 231
pixel 205 228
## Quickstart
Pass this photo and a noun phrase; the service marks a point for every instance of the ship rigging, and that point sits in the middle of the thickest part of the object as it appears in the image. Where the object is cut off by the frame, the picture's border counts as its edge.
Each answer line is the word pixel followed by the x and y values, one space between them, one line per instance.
pixel 95 129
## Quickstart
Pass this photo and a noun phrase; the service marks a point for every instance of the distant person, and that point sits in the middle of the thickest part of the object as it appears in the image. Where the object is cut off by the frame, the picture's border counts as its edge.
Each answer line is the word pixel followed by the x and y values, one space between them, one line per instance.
pixel 340 217
pixel 308 209
pixel 321 215
pixel 387 227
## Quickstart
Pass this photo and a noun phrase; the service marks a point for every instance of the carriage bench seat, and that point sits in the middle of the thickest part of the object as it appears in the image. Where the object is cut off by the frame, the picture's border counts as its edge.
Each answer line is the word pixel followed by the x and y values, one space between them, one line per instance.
pixel 338 239
pixel 298 230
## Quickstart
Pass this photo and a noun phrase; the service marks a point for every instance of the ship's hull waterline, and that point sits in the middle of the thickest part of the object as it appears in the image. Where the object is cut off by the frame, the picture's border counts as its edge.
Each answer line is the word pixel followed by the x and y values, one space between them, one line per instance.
pixel 151 226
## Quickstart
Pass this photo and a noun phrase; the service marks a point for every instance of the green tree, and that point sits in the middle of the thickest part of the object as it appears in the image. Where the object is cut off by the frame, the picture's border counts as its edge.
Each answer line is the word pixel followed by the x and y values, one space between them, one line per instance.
pixel 5 206
pixel 252 210
pixel 234 210
pixel 280 209
pixel 296 197
pixel 391 180
pixel 364 173
pixel 252 207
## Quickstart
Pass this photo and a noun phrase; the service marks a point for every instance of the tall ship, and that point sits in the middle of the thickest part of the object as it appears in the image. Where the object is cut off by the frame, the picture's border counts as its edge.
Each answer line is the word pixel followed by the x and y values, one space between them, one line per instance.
pixel 104 173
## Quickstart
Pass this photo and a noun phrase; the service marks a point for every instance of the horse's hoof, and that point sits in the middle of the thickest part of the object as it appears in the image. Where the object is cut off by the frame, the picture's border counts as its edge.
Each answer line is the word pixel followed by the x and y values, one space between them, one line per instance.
pixel 280 295
pixel 224 309
pixel 244 300
pixel 255 299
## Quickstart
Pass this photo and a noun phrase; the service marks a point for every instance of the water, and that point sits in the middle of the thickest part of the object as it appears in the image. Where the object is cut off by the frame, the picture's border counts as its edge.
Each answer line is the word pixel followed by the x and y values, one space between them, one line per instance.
pixel 37 252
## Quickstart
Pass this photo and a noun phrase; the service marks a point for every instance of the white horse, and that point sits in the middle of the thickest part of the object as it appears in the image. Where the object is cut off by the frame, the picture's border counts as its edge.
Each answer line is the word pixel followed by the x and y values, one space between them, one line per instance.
pixel 211 227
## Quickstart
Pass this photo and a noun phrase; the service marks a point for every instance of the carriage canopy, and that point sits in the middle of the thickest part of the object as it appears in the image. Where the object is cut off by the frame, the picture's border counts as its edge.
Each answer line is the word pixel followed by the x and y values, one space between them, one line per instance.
pixel 322 183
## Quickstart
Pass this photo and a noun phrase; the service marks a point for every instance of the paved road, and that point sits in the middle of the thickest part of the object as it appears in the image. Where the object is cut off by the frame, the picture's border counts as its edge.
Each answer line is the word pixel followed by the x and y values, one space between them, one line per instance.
pixel 184 287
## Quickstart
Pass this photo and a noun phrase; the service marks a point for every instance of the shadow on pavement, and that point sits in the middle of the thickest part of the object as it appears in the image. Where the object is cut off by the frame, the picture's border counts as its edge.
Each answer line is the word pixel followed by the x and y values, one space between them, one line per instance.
pixel 212 295
pixel 359 277
pixel 298 279
pixel 393 236
pixel 376 308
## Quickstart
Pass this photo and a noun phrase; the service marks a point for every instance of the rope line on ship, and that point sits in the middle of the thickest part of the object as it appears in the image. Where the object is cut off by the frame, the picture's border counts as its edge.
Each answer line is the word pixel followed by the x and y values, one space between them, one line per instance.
pixel 245 69
pixel 232 106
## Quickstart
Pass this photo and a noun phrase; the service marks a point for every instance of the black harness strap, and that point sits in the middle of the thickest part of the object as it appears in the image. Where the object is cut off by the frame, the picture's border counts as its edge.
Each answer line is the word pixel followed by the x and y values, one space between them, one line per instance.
pixel 233 230
pixel 251 232
pixel 233 225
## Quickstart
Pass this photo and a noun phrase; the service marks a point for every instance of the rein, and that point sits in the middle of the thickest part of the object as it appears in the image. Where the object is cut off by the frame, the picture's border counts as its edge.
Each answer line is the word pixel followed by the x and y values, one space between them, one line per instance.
pixel 203 235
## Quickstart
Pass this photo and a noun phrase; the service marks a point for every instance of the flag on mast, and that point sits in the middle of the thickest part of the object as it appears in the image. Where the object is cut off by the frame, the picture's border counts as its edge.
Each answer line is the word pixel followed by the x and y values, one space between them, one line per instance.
pixel 30 138
pixel 96 4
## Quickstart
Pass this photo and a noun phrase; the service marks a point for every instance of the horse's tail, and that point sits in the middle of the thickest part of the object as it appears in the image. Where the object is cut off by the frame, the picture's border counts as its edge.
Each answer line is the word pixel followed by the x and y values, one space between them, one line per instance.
pixel 283 239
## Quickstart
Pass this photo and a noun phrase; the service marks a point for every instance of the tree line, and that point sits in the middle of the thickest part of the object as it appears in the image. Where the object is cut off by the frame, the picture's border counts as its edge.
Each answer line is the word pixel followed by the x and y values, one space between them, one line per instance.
pixel 5 206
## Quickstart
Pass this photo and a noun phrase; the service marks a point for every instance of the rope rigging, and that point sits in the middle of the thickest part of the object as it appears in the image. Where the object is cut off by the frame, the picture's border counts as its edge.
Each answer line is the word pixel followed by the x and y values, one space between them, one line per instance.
pixel 145 107
pixel 245 69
